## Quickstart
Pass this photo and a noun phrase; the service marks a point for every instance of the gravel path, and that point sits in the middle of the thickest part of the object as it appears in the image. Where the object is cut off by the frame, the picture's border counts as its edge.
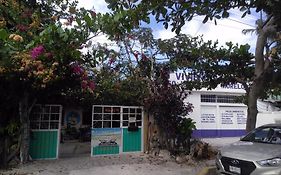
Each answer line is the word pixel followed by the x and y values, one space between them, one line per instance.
pixel 126 164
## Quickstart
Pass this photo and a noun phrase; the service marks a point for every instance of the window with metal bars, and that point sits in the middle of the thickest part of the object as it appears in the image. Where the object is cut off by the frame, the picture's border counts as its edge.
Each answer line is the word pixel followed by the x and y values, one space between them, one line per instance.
pixel 45 117
pixel 219 98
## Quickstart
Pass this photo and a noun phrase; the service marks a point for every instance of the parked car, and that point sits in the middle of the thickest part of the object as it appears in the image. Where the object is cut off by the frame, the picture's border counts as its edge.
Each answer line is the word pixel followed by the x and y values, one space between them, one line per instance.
pixel 258 153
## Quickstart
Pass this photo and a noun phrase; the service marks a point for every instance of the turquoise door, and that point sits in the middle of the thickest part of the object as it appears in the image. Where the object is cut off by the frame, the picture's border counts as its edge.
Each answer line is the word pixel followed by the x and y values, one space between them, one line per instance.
pixel 43 144
pixel 110 134
pixel 45 131
pixel 131 140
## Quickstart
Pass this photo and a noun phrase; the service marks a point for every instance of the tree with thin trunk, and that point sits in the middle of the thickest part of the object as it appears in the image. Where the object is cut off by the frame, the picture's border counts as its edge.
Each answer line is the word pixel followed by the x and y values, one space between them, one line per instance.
pixel 178 13
pixel 40 56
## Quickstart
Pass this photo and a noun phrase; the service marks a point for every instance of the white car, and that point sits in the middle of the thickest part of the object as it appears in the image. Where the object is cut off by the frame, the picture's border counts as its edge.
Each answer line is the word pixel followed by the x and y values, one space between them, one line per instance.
pixel 258 153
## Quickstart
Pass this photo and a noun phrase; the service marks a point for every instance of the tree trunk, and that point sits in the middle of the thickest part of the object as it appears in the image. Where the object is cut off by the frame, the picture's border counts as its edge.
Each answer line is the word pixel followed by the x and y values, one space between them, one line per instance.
pixel 25 128
pixel 252 109
pixel 257 88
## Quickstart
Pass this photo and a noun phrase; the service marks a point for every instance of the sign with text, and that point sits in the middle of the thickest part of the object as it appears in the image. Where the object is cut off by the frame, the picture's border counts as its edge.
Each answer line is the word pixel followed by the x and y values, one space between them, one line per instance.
pixel 182 76
pixel 233 117
pixel 208 117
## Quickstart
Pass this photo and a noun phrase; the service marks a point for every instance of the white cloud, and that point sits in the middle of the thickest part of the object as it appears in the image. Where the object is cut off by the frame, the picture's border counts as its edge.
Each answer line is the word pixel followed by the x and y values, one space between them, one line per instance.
pixel 226 29
pixel 98 5
pixel 164 34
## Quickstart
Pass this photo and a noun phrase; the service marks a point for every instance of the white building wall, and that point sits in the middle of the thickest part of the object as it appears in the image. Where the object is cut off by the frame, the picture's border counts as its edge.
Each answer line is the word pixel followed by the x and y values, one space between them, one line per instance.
pixel 268 118
pixel 215 119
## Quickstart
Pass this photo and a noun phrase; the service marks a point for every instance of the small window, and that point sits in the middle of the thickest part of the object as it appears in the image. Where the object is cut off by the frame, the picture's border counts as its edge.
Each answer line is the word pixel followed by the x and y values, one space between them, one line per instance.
pixel 115 124
pixel 116 110
pixel 45 117
pixel 106 116
pixel 125 110
pixel 107 110
pixel 226 99
pixel 106 124
pixel 97 116
pixel 97 124
pixel 138 123
pixel 97 109
pixel 55 109
pixel 208 98
pixel 125 117
pixel 138 117
pixel 132 110
pixel 139 110
pixel 116 117
pixel 125 123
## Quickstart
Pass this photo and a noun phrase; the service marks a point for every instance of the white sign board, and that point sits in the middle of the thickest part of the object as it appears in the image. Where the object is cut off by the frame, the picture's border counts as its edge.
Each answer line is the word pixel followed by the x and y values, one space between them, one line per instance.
pixel 233 117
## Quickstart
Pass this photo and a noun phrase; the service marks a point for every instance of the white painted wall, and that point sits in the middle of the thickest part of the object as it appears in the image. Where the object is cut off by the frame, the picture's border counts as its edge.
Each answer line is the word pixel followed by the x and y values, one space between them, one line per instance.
pixel 217 115
pixel 268 118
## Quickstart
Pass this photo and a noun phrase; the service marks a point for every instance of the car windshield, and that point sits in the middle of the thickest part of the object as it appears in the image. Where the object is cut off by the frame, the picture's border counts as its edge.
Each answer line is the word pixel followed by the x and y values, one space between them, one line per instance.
pixel 270 135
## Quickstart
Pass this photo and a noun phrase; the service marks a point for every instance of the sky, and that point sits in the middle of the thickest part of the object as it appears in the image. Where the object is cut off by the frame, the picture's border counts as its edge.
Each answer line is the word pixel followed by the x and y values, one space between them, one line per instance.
pixel 226 30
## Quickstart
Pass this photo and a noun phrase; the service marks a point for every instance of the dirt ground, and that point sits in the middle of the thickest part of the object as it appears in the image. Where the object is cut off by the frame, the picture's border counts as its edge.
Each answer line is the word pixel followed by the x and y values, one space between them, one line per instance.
pixel 126 164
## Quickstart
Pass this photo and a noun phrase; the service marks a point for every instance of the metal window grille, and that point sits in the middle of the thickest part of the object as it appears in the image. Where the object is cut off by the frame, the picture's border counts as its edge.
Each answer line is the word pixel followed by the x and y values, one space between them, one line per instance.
pixel 45 117
pixel 115 116
pixel 219 98
pixel 208 98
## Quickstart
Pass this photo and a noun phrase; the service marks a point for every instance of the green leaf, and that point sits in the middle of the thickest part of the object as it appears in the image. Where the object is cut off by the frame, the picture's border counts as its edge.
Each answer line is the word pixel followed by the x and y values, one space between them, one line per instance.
pixel 29 45
pixel 3 34
pixel 218 16
pixel 78 20
pixel 147 20
pixel 242 9
pixel 165 25
pixel 225 14
pixel 206 19
pixel 88 20
pixel 244 14
pixel 117 17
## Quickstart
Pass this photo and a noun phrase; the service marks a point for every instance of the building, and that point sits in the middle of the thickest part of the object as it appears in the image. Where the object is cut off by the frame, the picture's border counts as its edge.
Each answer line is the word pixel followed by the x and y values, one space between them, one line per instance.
pixel 56 132
pixel 217 112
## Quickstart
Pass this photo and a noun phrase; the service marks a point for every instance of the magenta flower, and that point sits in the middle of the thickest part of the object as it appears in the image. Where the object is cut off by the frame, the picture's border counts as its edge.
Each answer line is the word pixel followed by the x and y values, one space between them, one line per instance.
pixel 37 51
pixel 77 69
pixel 22 28
pixel 84 84
pixel 91 85
pixel 49 55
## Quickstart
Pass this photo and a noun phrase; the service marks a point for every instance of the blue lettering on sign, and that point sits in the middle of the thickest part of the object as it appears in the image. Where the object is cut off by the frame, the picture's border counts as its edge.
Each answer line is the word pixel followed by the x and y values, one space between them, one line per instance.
pixel 186 77
pixel 233 86
pixel 178 75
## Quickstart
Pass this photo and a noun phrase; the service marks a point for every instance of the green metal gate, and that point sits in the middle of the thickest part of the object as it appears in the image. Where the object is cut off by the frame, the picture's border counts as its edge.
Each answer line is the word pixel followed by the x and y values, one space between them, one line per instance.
pixel 45 131
pixel 116 129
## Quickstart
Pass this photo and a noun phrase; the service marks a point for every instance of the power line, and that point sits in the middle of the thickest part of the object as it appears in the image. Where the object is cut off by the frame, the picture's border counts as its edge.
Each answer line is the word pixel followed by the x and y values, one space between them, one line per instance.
pixel 218 24
pixel 248 16
pixel 198 29
pixel 240 22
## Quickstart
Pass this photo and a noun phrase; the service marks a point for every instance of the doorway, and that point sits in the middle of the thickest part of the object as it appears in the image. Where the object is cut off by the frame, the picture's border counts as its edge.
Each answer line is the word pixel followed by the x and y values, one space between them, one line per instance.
pixel 116 129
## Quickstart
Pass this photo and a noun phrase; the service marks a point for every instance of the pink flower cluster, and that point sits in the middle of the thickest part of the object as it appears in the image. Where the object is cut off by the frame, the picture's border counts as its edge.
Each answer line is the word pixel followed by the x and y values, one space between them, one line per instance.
pixel 40 50
pixel 86 83
pixel 77 69
pixel 37 51
pixel 22 27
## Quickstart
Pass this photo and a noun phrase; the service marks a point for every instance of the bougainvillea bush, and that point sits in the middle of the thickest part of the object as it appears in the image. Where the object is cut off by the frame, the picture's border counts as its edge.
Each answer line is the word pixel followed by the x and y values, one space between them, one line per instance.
pixel 40 55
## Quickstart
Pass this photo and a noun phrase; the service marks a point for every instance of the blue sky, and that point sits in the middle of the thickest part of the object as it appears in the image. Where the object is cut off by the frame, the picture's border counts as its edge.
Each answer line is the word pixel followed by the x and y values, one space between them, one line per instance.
pixel 226 30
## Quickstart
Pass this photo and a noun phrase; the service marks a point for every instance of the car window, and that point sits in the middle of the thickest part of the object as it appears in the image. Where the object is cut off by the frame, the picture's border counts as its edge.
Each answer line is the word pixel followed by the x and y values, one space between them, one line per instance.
pixel 265 134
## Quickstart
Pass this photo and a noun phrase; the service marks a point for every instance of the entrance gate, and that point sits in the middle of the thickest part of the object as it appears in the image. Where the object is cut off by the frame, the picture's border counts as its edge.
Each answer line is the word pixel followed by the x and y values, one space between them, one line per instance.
pixel 116 129
pixel 45 131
